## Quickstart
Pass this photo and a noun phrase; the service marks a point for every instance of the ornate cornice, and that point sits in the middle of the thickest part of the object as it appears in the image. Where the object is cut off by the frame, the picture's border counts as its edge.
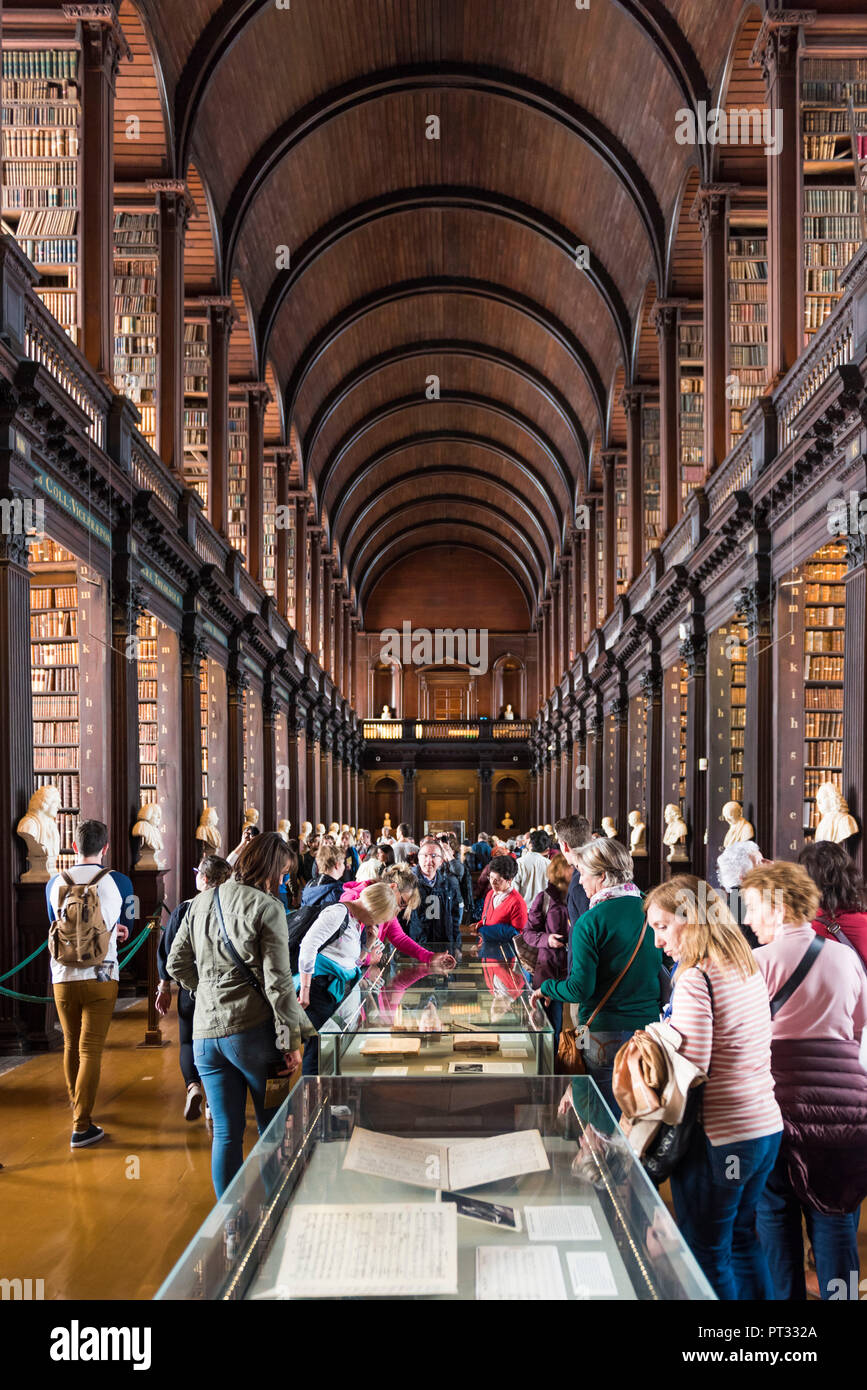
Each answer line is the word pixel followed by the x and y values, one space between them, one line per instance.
pixel 776 45
pixel 709 205
pixel 693 653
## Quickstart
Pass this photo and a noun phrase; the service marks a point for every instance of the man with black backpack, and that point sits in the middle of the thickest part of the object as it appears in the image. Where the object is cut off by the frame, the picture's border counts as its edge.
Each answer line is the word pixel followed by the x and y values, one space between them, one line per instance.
pixel 91 910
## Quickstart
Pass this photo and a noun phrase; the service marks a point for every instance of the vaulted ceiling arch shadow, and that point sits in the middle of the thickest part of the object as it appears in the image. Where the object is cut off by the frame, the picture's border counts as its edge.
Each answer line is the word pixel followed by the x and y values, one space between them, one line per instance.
pixel 427 530
pixel 355 436
pixel 431 352
pixel 437 198
pixel 519 88
pixel 491 505
pixel 325 338
pixel 540 515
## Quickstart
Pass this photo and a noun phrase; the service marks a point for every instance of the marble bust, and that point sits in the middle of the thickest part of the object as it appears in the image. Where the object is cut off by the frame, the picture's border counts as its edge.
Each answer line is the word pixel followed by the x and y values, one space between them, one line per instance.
pixel 38 828
pixel 386 712
pixel 207 831
pixel 147 830
pixel 637 843
pixel 739 826
pixel 609 827
pixel 283 828
pixel 675 834
pixel 251 817
pixel 508 712
pixel 835 822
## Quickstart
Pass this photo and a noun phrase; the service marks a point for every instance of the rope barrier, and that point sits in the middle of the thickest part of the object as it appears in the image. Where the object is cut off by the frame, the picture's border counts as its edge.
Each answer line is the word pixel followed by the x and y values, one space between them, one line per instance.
pixel 16 968
pixel 153 924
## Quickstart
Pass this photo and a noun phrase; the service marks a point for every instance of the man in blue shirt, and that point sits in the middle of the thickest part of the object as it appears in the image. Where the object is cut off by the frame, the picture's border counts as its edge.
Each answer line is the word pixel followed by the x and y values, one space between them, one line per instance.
pixel 85 995
pixel 482 850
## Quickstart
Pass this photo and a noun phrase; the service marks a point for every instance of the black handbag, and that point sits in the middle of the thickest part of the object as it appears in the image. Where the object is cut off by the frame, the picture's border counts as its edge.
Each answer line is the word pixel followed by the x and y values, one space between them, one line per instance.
pixel 669 1145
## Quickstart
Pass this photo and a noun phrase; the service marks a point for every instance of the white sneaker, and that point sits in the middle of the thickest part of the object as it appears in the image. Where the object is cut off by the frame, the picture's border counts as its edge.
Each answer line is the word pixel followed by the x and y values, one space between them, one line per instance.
pixel 193 1107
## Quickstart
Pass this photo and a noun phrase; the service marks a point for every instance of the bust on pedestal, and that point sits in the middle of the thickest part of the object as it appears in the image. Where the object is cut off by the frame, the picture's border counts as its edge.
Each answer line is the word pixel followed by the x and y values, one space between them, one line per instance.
pixel 283 828
pixel 147 830
pixel 637 842
pixel 739 827
pixel 675 835
pixel 609 827
pixel 835 822
pixel 207 831
pixel 38 828
pixel 251 817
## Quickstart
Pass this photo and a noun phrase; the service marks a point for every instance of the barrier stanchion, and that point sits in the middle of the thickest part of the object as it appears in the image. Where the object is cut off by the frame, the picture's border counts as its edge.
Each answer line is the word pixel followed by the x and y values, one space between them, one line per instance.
pixel 153 1035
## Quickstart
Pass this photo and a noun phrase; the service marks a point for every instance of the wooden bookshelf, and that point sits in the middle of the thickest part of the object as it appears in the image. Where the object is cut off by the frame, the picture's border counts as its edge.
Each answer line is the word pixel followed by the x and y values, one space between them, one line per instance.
pixel 41 142
pixel 55 683
pixel 197 361
pixel 834 147
pixel 238 453
pixel 690 353
pixel 269 527
pixel 621 534
pixel 748 317
pixel 824 636
pixel 136 306
pixel 682 741
pixel 651 476
pixel 290 587
pixel 204 711
pixel 737 652
pixel 148 707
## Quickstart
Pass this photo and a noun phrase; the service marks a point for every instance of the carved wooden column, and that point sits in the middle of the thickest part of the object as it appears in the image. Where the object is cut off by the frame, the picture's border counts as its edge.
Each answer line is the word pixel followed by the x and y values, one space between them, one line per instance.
pixel 270 711
pixel 776 49
pixel 651 689
pixel 665 323
pixel 591 549
pixel 709 209
pixel 620 716
pixel 609 531
pixel 595 766
pixel 631 402
pixel 855 691
pixel 237 688
pixel 755 608
pixel 314 778
pixel 173 206
pixel 693 651
pixel 555 633
pixel 315 533
pixel 326 776
pixel 222 317
pixel 297 726
pixel 300 500
pixel 547 661
pixel 102 47
pixel 485 809
pixel 193 652
pixel 126 607
pixel 285 517
pixel 353 693
pixel 327 615
pixel 258 396
pixel 337 647
pixel 579 541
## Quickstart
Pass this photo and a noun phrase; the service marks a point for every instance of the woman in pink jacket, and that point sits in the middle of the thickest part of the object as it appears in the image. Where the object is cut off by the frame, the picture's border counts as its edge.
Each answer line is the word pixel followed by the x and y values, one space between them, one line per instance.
pixel 404 885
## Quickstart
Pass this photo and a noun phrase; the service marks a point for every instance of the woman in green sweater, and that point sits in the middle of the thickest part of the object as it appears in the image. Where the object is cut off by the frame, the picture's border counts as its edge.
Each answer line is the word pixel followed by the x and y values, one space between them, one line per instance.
pixel 603 943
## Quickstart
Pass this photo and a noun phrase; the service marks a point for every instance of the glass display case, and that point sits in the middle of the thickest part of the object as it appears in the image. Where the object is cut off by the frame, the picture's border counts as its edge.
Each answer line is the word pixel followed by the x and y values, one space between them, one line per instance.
pixel 500 1188
pixel 404 1019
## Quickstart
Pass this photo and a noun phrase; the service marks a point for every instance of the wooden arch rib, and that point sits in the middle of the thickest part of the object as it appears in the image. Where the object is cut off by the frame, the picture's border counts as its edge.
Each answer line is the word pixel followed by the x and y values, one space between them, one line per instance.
pixel 447 347
pixel 658 25
pixel 484 539
pixel 438 198
pixel 443 284
pixel 546 521
pixel 488 404
pixel 508 86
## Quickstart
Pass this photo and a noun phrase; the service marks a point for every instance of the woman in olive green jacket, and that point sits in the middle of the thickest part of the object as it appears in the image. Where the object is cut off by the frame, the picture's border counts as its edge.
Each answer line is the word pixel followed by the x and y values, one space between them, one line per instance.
pixel 603 942
pixel 247 1011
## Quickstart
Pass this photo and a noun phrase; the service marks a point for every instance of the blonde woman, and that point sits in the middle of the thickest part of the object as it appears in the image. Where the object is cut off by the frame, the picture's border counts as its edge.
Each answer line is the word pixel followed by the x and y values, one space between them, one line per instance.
pixel 720 1008
pixel 404 885
pixel 820 1176
pixel 610 947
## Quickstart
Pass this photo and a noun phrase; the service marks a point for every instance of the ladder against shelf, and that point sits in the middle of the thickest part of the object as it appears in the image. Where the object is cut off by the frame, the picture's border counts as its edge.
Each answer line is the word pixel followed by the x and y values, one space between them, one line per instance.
pixel 136 265
pixel 42 171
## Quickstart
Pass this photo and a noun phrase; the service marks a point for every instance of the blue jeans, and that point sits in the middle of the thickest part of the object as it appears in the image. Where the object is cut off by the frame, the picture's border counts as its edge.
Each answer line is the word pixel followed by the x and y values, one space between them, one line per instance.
pixel 601 1049
pixel 780 1223
pixel 228 1066
pixel 716 1192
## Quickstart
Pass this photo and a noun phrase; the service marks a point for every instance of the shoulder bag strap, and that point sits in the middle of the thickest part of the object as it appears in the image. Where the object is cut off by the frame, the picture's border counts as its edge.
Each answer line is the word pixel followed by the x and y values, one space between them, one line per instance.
pixel 800 972
pixel 608 993
pixel 839 935
pixel 242 966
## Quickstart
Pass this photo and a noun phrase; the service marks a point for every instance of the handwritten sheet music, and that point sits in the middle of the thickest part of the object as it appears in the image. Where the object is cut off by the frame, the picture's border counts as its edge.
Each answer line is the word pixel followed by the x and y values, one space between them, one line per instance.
pixel 591 1274
pixel 561 1223
pixel 519 1273
pixel 381 1249
pixel 458 1165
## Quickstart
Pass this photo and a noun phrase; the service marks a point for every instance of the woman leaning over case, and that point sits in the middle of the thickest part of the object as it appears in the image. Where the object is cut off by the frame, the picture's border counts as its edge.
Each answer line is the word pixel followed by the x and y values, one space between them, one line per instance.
pixel 720 1008
pixel 818 998
pixel 246 1011
pixel 605 941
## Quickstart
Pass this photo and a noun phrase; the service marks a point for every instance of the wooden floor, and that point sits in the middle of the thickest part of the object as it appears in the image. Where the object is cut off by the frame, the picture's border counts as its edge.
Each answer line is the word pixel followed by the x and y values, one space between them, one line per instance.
pixel 75 1219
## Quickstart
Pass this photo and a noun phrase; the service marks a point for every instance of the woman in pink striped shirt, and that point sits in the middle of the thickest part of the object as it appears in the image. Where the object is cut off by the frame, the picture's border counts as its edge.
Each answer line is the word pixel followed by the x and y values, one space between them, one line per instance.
pixel 720 1008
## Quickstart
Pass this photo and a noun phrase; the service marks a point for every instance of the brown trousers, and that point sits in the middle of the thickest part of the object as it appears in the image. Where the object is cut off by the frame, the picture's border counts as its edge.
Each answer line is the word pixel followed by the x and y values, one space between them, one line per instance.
pixel 85 1008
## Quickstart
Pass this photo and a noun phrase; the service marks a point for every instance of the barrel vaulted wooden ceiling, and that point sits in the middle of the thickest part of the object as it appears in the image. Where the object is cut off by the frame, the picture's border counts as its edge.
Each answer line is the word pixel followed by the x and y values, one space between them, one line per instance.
pixel 305 128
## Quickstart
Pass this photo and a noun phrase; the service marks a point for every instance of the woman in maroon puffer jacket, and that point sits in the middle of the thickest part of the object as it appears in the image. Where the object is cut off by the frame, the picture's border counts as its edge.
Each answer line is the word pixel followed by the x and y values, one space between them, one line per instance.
pixel 547 932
